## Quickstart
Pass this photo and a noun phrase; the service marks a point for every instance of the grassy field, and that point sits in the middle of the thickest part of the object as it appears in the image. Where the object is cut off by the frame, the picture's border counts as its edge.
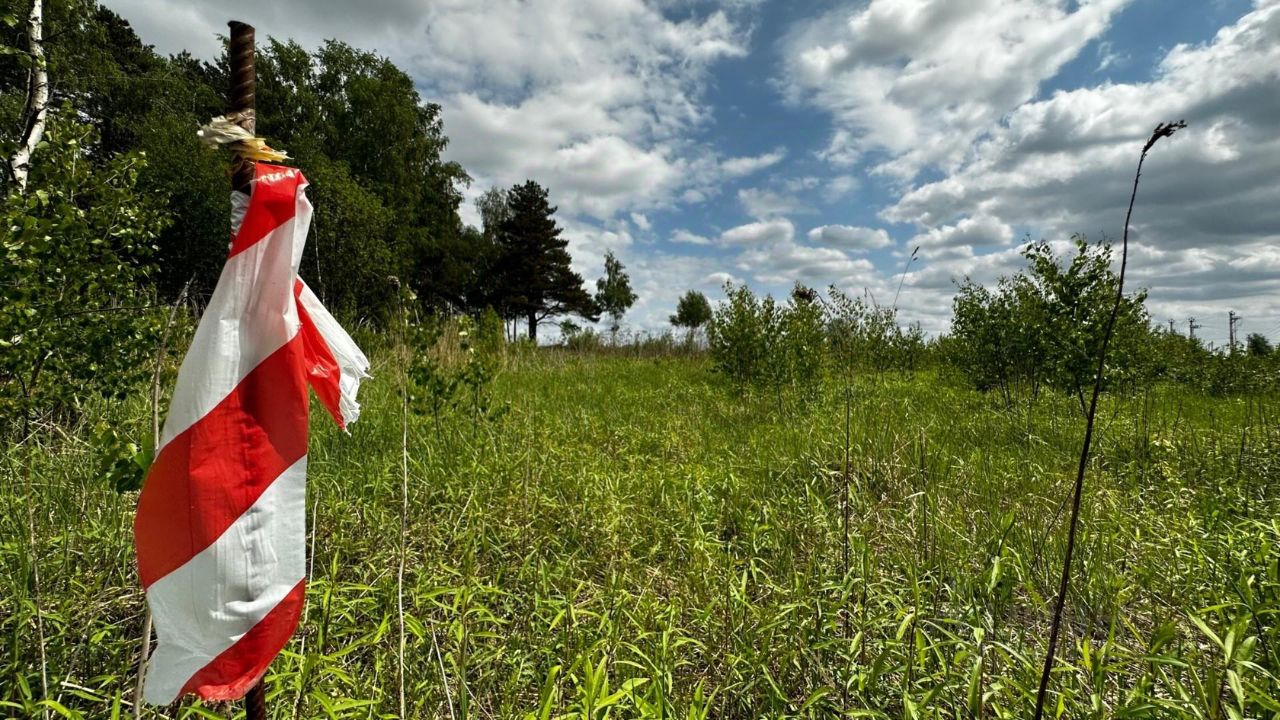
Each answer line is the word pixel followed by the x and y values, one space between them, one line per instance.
pixel 635 538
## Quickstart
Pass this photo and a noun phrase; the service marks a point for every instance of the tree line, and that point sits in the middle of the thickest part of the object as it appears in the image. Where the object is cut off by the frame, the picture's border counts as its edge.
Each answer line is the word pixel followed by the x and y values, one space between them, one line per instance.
pixel 118 210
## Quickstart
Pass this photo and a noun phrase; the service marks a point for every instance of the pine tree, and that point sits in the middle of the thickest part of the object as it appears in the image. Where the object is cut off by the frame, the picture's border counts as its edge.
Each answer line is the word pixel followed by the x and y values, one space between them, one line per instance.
pixel 536 280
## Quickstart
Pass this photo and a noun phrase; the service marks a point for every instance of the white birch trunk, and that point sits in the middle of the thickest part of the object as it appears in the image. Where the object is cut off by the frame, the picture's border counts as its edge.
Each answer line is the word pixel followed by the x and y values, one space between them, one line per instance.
pixel 37 98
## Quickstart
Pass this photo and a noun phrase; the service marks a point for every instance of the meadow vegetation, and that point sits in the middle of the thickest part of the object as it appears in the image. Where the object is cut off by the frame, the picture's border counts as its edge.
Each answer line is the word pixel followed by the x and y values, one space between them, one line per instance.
pixel 786 508
pixel 601 535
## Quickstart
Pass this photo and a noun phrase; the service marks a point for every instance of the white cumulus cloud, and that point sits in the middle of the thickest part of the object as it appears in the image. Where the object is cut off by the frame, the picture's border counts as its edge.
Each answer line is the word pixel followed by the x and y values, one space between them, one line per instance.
pixel 765 232
pixel 920 79
pixel 846 236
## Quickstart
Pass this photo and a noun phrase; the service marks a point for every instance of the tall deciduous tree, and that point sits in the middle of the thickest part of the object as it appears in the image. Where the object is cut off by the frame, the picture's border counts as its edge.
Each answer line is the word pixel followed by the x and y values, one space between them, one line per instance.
pixel 1257 345
pixel 358 110
pixel 495 208
pixel 693 310
pixel 537 282
pixel 386 199
pixel 614 295
pixel 486 252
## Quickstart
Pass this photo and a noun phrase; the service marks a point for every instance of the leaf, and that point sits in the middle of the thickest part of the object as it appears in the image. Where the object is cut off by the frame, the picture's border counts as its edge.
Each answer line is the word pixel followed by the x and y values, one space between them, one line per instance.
pixel 1204 628
pixel 975 687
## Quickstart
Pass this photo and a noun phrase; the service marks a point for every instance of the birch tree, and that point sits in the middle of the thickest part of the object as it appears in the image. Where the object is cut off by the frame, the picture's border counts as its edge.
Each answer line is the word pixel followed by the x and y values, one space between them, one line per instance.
pixel 37 107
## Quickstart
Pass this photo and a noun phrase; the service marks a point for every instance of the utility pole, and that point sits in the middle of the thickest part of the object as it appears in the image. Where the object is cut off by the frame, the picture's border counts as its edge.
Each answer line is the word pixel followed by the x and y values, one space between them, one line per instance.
pixel 1171 326
pixel 1191 327
pixel 1232 319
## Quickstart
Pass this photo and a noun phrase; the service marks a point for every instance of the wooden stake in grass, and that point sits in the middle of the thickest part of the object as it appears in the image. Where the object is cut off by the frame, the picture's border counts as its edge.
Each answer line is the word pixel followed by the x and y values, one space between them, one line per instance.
pixel 1162 130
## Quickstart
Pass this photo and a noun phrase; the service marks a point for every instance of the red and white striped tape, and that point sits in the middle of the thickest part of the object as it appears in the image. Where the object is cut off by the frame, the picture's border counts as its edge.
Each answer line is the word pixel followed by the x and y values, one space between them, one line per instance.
pixel 221 523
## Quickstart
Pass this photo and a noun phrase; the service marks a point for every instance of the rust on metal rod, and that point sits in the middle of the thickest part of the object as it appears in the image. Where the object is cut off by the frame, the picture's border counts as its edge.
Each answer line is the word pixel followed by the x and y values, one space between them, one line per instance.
pixel 255 702
pixel 240 106
pixel 240 100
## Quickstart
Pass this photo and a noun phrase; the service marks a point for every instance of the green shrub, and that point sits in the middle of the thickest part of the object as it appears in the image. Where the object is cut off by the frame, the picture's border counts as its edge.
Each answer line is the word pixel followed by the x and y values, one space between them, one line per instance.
pixel 738 335
pixel 582 340
pixel 1045 325
pixel 866 335
pixel 757 342
pixel 75 320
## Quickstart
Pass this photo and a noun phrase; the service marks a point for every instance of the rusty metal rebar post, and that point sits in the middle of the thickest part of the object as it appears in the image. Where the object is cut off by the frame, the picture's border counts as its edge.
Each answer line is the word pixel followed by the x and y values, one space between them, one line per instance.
pixel 240 97
pixel 240 106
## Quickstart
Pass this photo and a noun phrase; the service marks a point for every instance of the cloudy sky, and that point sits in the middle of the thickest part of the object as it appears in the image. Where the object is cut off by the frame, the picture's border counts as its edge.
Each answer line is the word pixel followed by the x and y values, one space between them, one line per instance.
pixel 769 141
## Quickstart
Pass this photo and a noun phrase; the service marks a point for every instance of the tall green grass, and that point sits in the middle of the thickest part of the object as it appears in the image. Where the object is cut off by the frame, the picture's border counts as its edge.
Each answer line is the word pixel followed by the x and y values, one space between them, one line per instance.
pixel 636 539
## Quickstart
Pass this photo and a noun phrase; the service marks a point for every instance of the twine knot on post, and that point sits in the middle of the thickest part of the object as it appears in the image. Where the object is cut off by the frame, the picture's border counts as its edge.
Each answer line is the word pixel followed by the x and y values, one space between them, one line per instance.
pixel 248 148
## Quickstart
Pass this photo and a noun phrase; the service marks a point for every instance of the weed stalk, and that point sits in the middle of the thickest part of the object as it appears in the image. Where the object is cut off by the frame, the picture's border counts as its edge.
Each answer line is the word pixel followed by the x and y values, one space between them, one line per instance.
pixel 1162 130
pixel 144 649
pixel 404 486
pixel 844 565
